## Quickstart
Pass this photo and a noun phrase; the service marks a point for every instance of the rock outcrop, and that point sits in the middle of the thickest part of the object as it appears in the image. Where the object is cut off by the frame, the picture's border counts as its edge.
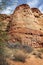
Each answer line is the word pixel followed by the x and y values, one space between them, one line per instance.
pixel 39 16
pixel 24 27
pixel 4 20
pixel 36 12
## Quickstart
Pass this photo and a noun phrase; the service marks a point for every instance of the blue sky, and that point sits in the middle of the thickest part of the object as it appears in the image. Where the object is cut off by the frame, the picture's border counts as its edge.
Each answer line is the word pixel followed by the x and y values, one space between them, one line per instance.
pixel 12 4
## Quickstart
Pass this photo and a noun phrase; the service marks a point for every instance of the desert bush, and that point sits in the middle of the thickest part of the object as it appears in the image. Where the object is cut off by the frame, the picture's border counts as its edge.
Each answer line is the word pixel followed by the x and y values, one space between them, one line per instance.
pixel 15 45
pixel 3 60
pixel 28 49
pixel 19 56
pixel 3 37
pixel 18 45
pixel 15 54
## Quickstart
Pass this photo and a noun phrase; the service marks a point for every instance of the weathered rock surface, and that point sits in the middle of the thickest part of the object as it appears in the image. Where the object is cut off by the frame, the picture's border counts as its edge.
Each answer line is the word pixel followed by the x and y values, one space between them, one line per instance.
pixel 24 27
pixel 4 20
pixel 36 12
pixel 39 16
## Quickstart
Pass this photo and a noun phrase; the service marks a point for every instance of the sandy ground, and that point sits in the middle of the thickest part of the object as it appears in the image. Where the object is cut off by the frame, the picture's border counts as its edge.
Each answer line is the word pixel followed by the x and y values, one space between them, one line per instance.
pixel 29 61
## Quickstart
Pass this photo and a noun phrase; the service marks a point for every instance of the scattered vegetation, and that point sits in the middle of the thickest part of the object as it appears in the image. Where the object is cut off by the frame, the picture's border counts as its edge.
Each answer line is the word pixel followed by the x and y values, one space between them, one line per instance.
pixel 28 49
pixel 15 54
pixel 15 51
pixel 3 38
pixel 17 45
pixel 3 60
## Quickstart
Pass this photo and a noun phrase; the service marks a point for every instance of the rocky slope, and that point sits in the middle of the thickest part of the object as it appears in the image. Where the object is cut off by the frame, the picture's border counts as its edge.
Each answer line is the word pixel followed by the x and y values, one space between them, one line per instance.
pixel 4 20
pixel 25 27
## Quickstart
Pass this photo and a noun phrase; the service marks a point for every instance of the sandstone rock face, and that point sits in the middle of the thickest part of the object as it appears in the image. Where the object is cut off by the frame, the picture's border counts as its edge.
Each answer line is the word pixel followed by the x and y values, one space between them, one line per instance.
pixel 23 17
pixel 3 17
pixel 39 16
pixel 40 21
pixel 36 12
pixel 24 27
pixel 4 20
